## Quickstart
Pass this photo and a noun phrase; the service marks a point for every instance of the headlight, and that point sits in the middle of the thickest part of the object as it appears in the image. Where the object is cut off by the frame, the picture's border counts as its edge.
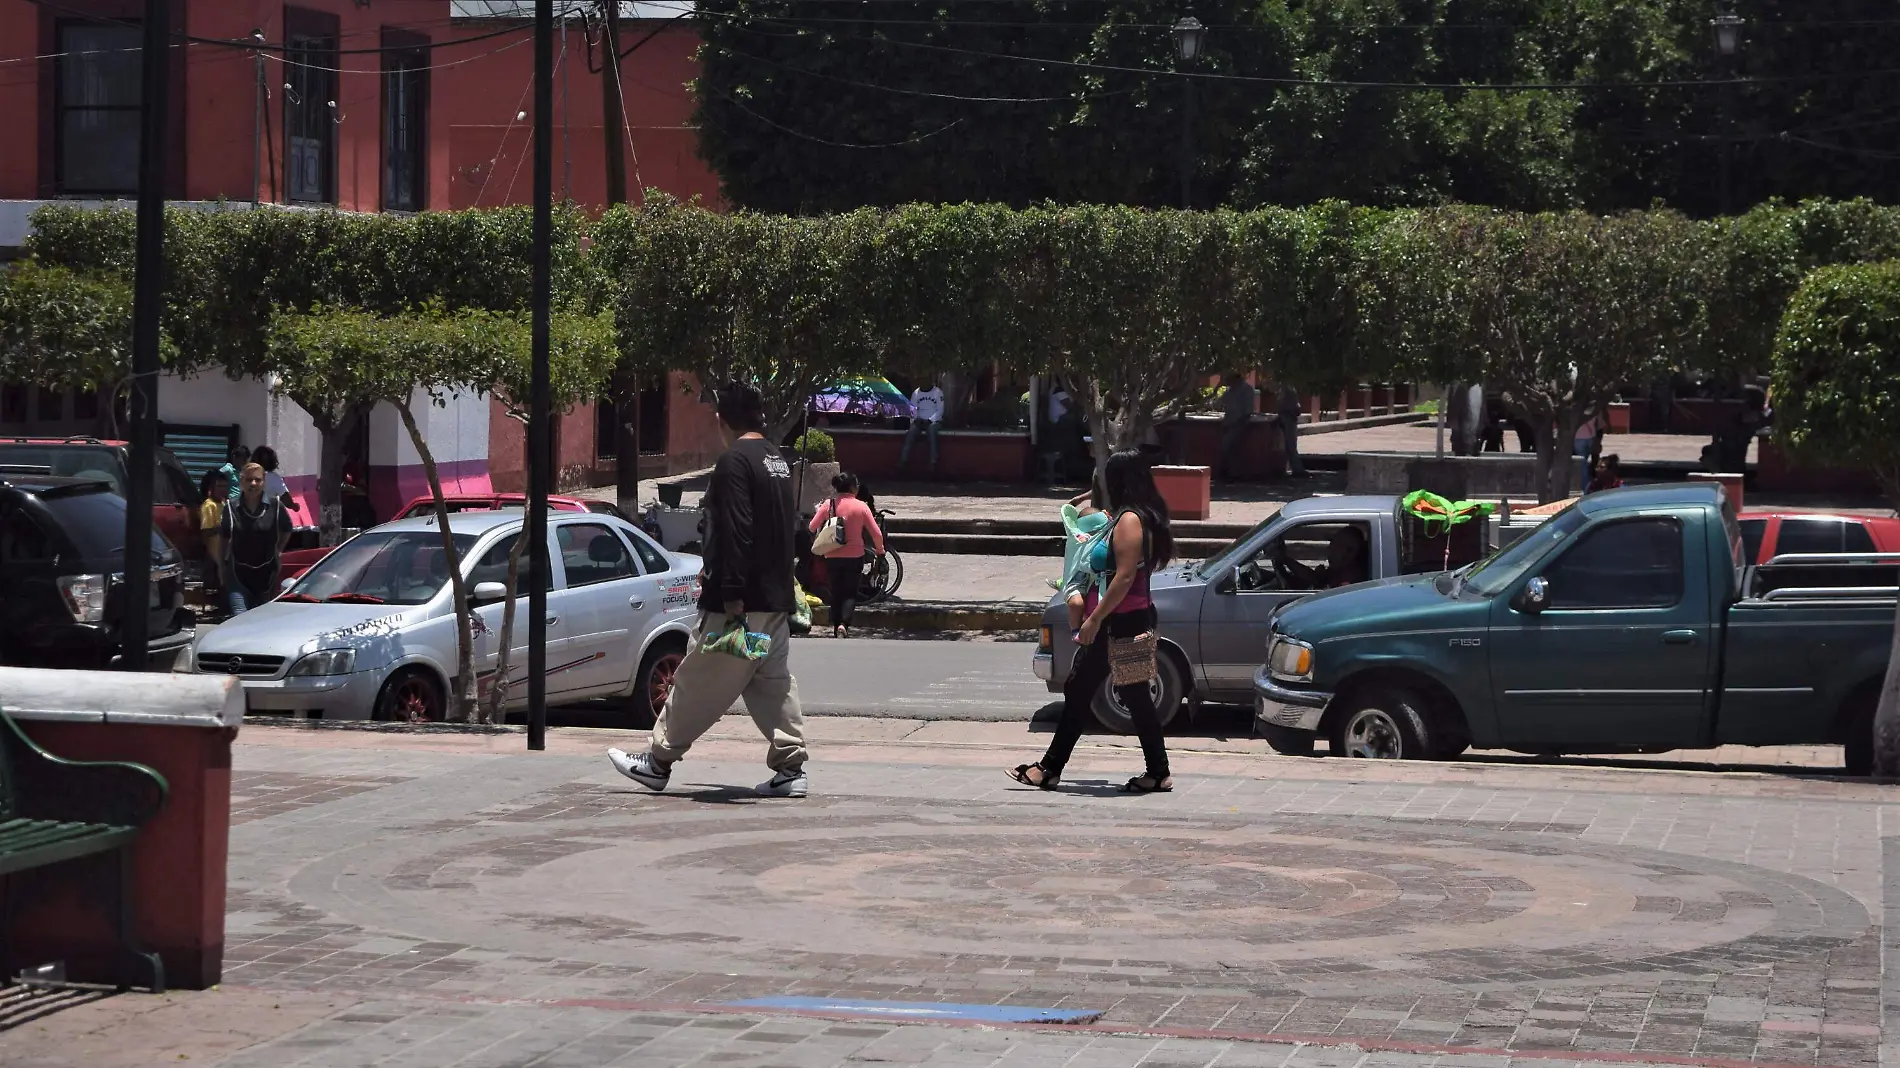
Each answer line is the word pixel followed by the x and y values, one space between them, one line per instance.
pixel 85 596
pixel 1291 660
pixel 325 662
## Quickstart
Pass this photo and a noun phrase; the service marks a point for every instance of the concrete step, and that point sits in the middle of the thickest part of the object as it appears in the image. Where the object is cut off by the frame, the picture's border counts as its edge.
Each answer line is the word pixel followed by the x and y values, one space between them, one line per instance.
pixel 1026 544
pixel 1052 528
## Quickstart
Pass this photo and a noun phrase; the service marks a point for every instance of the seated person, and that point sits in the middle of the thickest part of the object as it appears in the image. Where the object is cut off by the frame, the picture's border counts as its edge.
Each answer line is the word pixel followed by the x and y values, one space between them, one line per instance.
pixel 1348 560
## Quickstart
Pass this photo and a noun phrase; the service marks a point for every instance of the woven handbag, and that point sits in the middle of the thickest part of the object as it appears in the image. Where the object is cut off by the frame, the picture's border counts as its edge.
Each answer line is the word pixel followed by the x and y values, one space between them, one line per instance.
pixel 1131 661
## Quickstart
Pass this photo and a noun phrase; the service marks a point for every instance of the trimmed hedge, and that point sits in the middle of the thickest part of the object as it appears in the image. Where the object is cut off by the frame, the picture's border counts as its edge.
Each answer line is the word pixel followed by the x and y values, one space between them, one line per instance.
pixel 1837 370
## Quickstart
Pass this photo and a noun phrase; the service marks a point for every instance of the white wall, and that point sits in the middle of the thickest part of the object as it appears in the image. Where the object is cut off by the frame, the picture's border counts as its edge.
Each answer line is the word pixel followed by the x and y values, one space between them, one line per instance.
pixel 457 432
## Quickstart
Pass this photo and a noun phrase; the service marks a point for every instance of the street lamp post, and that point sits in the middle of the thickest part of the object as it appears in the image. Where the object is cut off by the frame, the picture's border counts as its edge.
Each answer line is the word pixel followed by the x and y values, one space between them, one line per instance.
pixel 1728 42
pixel 1188 37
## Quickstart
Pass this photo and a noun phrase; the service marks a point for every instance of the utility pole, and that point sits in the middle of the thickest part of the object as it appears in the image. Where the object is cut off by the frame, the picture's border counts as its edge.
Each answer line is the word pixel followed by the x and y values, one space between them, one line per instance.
pixel 148 295
pixel 625 387
pixel 540 458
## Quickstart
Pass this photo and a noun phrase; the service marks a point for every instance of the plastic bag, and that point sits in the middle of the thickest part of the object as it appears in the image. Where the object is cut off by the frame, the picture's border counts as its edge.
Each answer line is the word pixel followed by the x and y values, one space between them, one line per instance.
pixel 737 641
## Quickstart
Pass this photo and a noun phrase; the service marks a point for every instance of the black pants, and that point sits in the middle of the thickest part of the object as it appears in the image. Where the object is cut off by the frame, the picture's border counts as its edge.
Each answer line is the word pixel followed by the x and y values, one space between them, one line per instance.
pixel 1085 677
pixel 843 575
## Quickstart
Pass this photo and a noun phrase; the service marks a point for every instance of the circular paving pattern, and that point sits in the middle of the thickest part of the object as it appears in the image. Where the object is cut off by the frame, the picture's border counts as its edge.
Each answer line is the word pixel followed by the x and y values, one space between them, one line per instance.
pixel 1443 902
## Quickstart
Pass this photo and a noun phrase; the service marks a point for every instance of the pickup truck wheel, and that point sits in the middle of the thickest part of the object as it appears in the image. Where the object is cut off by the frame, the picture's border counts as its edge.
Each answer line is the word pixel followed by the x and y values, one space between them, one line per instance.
pixel 1167 690
pixel 1288 742
pixel 1383 725
pixel 1858 752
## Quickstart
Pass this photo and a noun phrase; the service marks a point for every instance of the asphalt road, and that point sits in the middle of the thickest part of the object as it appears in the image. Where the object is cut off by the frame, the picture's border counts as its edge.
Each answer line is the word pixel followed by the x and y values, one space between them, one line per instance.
pixel 894 678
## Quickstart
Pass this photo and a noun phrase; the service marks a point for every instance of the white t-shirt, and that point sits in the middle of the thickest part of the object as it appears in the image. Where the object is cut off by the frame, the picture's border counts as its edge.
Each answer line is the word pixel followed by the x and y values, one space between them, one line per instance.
pixel 1058 405
pixel 274 485
pixel 928 404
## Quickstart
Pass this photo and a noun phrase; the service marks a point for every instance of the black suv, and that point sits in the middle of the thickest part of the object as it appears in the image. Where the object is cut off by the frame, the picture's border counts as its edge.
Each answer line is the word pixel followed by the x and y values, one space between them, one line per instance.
pixel 62 585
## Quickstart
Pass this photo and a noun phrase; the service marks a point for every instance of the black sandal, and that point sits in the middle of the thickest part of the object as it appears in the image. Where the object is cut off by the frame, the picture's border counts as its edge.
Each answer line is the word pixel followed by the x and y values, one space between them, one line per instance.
pixel 1046 781
pixel 1148 784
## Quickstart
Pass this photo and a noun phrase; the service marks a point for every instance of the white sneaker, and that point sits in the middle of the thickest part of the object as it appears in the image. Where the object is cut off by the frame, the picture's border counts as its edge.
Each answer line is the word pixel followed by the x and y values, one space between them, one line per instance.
pixel 642 769
pixel 785 784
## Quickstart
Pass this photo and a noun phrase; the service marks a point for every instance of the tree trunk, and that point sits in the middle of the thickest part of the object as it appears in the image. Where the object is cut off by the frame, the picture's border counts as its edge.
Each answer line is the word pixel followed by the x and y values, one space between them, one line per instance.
pixel 498 690
pixel 335 431
pixel 462 692
pixel 1464 418
pixel 626 399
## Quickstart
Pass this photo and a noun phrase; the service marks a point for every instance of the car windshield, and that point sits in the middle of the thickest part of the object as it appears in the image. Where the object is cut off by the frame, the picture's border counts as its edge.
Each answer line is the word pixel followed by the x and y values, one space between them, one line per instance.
pixel 1493 574
pixel 381 567
pixel 1233 549
pixel 98 462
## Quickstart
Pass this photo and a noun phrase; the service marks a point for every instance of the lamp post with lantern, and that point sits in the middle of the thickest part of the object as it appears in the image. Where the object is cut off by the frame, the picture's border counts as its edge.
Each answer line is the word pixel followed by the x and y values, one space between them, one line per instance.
pixel 1728 44
pixel 1189 35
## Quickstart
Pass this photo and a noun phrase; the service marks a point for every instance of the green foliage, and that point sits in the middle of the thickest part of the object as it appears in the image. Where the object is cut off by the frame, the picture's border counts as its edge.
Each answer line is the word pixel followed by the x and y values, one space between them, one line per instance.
pixel 1837 370
pixel 954 107
pixel 63 330
pixel 230 272
pixel 816 446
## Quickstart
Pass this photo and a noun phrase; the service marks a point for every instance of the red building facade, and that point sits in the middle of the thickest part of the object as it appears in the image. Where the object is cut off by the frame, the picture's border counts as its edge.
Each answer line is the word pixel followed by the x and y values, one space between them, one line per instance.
pixel 395 105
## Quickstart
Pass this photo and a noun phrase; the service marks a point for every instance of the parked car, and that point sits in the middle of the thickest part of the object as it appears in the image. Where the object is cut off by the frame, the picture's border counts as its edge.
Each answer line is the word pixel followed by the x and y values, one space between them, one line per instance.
pixel 1767 534
pixel 369 632
pixel 1630 622
pixel 62 590
pixel 297 561
pixel 1213 615
pixel 174 492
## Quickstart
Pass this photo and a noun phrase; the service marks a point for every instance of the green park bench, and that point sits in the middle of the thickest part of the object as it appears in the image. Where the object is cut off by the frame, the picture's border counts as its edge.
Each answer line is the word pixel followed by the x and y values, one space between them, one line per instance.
pixel 54 810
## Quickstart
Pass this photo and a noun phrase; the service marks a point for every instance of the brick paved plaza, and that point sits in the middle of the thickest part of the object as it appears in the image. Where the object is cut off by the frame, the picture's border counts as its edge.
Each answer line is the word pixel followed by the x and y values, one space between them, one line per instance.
pixel 447 899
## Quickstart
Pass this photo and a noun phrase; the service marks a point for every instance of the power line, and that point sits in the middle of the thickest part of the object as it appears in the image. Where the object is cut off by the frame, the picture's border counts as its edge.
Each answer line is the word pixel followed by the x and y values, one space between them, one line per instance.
pixel 255 45
pixel 921 92
pixel 801 135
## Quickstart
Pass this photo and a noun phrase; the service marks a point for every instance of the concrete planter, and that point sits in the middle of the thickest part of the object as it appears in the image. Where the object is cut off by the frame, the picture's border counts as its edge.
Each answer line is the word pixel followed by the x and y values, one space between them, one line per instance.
pixel 181 726
pixel 813 483
pixel 1487 477
pixel 1619 417
pixel 1189 491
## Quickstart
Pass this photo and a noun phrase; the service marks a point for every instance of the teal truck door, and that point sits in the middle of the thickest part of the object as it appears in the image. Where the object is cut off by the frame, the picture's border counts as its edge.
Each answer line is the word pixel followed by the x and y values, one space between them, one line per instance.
pixel 1620 651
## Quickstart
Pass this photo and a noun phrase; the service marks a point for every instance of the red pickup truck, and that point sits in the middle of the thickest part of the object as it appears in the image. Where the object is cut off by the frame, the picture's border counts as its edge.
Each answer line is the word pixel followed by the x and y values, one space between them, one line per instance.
pixel 1766 534
pixel 174 494
pixel 297 561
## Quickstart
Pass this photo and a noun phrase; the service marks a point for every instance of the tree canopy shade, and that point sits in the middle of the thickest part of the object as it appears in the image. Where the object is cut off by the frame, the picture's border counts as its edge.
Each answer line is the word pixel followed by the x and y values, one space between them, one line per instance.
pixel 830 105
pixel 62 329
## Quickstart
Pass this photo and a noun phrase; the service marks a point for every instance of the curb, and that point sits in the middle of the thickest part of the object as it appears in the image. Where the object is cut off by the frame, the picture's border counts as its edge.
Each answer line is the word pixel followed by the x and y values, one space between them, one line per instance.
pixel 941 616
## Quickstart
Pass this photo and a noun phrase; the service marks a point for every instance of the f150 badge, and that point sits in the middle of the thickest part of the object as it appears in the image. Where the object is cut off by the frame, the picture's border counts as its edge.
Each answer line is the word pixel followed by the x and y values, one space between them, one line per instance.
pixel 1467 643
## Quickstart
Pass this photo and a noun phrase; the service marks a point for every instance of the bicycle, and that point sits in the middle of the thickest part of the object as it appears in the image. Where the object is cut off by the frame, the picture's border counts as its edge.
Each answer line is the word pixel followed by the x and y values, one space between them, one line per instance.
pixel 882 574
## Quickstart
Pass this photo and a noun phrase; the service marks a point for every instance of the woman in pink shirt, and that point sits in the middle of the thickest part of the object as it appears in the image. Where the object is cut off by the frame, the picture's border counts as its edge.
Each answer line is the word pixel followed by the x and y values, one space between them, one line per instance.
pixel 844 569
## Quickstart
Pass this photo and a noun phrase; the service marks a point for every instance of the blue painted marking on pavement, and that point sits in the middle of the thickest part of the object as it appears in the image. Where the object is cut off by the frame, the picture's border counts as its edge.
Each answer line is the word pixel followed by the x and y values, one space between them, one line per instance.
pixel 926 1010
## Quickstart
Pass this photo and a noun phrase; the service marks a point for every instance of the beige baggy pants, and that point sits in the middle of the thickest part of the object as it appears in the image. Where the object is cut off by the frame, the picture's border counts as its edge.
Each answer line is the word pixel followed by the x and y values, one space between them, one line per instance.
pixel 708 683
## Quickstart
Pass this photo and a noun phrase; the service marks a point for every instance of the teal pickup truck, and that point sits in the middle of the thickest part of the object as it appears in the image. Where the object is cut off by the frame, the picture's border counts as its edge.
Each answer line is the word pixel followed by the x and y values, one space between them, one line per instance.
pixel 1630 622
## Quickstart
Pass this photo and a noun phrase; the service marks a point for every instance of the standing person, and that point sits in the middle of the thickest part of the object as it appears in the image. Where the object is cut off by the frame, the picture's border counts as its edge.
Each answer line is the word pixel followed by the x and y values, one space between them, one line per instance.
pixel 215 490
pixel 238 457
pixel 927 418
pixel 1584 448
pixel 253 531
pixel 1236 415
pixel 1141 543
pixel 274 485
pixel 747 578
pixel 844 569
pixel 1290 410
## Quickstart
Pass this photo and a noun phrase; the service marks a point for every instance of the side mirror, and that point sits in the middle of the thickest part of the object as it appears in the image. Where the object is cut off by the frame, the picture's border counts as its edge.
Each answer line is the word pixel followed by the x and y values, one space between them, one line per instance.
pixel 488 593
pixel 1227 584
pixel 1534 597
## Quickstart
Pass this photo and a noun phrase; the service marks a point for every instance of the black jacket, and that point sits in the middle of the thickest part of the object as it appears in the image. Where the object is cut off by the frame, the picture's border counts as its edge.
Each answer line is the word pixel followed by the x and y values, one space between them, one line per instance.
pixel 749 530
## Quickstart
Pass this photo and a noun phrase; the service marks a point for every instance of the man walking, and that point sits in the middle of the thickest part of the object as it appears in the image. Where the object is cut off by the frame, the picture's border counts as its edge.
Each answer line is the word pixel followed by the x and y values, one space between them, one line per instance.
pixel 926 419
pixel 1289 408
pixel 748 578
pixel 1237 405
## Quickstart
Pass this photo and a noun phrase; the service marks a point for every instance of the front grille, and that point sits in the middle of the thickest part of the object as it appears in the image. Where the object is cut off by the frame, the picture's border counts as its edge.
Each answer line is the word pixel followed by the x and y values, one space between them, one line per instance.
pixel 246 665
